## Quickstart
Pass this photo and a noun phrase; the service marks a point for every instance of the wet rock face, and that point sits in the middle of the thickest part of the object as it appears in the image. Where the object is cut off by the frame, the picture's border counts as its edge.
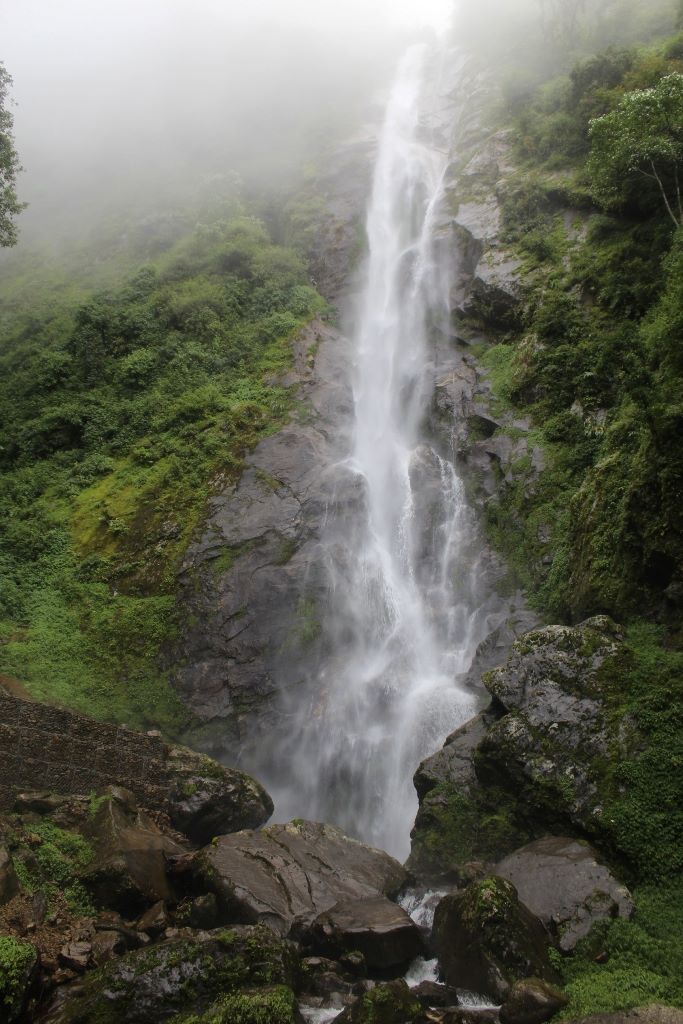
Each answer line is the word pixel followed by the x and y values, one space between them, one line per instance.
pixel 286 875
pixel 486 939
pixel 564 884
pixel 530 764
pixel 253 586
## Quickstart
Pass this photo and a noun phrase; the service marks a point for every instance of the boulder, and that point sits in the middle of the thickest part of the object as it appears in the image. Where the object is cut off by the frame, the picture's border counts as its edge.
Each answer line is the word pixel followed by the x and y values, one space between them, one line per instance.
pixel 9 883
pixel 375 927
pixel 391 1003
pixel 181 976
pixel 535 761
pixel 532 1001
pixel 287 874
pixel 564 884
pixel 128 872
pixel 433 994
pixel 207 799
pixel 328 981
pixel 485 939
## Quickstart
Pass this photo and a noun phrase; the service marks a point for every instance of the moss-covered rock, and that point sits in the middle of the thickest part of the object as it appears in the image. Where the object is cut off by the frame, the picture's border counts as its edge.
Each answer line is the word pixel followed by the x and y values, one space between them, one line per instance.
pixel 276 1005
pixel 183 976
pixel 486 939
pixel 539 760
pixel 392 1003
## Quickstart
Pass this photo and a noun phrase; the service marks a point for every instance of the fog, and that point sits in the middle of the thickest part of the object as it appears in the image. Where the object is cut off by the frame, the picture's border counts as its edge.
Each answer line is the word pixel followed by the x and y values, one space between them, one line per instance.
pixel 139 103
pixel 139 100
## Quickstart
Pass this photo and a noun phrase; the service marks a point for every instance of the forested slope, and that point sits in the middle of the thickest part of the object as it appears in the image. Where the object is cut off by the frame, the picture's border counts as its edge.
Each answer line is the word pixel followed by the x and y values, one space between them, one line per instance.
pixel 120 413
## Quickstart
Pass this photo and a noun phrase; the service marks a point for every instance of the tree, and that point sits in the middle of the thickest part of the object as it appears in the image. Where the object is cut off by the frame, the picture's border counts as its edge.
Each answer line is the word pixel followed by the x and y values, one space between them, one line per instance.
pixel 9 166
pixel 560 19
pixel 642 138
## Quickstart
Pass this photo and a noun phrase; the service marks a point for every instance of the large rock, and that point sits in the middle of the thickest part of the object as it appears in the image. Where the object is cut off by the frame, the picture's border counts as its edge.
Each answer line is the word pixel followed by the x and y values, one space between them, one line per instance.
pixel 376 927
pixel 289 874
pixel 485 939
pixel 181 976
pixel 564 884
pixel 128 872
pixel 555 726
pixel 207 799
pixel 536 761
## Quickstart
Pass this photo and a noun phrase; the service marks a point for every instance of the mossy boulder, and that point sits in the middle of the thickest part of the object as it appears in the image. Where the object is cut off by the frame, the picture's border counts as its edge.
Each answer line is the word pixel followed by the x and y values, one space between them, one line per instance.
pixel 391 1003
pixel 128 872
pixel 485 939
pixel 207 799
pixel 532 1001
pixel 374 926
pixel 538 760
pixel 183 976
pixel 18 966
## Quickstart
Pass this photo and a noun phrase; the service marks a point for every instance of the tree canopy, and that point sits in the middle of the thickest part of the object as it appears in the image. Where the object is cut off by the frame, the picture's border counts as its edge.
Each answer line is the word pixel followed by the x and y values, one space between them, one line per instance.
pixel 9 166
pixel 642 137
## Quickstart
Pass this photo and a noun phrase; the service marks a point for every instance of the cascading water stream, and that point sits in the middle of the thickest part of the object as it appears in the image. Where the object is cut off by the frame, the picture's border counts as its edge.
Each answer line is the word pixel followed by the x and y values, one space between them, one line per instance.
pixel 404 610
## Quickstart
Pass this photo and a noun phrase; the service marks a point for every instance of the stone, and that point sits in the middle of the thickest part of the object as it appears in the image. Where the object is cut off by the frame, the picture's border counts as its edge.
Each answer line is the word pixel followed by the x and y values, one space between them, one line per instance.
pixel 433 994
pixel 9 882
pixel 155 920
pixel 201 912
pixel 287 874
pixel 107 944
pixel 327 979
pixel 75 956
pixel 390 1003
pixel 207 799
pixel 128 872
pixel 532 1001
pixel 485 939
pixel 375 927
pixel 185 975
pixel 564 884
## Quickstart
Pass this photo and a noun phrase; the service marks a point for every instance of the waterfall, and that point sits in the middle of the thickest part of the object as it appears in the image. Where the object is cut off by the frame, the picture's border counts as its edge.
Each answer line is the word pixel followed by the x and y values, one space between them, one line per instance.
pixel 404 609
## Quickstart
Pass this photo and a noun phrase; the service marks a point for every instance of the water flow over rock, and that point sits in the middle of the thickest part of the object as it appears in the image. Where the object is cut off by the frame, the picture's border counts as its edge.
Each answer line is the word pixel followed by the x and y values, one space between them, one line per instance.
pixel 405 609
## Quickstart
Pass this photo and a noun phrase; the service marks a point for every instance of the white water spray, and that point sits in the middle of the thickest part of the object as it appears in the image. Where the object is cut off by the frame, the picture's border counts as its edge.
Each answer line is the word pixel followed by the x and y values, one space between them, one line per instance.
pixel 405 611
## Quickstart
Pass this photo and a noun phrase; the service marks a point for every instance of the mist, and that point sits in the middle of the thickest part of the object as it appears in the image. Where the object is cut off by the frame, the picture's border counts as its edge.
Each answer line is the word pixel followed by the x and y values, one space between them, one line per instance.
pixel 122 105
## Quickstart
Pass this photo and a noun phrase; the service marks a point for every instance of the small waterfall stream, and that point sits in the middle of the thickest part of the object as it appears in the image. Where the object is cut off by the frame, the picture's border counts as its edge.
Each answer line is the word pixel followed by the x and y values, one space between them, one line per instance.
pixel 405 610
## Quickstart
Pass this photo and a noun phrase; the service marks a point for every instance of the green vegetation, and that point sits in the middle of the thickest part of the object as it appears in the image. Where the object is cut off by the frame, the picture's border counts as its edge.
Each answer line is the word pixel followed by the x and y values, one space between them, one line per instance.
pixel 9 166
pixel 269 1006
pixel 623 964
pixel 120 417
pixel 593 213
pixel 53 863
pixel 17 960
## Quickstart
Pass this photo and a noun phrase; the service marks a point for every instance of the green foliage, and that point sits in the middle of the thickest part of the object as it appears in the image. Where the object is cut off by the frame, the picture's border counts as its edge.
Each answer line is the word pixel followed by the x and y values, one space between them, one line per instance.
pixel 623 964
pixel 58 858
pixel 270 1006
pixel 16 961
pixel 9 166
pixel 642 138
pixel 119 418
